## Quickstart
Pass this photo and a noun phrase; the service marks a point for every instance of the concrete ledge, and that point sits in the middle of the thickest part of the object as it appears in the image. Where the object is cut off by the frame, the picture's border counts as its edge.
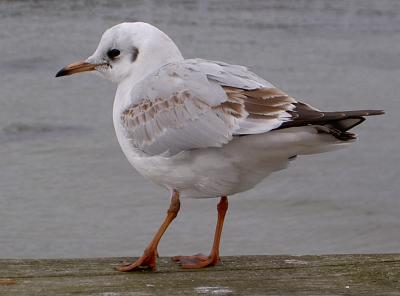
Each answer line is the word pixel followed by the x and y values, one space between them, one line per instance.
pixel 243 275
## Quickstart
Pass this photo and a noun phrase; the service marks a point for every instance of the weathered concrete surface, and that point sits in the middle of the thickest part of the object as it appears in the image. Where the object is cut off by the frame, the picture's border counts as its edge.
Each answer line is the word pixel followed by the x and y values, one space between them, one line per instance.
pixel 243 275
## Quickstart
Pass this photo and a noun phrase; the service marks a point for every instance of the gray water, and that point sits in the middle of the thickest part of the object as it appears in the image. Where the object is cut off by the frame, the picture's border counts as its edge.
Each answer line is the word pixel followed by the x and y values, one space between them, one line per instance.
pixel 66 189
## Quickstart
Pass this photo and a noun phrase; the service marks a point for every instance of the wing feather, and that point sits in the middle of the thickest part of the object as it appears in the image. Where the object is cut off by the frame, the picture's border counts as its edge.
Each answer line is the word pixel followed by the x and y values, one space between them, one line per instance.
pixel 267 108
pixel 197 104
pixel 181 122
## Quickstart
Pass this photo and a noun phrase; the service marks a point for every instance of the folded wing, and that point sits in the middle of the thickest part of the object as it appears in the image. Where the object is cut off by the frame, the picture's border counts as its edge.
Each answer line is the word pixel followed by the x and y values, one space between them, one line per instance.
pixel 198 104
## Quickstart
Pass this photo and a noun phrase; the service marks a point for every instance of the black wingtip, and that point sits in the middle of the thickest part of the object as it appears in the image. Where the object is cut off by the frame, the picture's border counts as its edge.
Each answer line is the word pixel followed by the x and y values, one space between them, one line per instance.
pixel 62 72
pixel 373 112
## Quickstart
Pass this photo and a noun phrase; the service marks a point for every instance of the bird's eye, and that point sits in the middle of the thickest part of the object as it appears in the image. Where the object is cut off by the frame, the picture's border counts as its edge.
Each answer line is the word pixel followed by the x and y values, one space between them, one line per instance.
pixel 113 53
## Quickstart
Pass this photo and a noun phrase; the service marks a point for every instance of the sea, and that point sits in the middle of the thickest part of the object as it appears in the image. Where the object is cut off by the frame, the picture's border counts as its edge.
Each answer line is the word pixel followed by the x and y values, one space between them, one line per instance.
pixel 66 189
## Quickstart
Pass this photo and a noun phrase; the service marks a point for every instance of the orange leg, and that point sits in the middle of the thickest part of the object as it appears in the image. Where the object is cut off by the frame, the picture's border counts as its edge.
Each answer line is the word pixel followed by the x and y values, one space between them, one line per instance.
pixel 200 260
pixel 148 259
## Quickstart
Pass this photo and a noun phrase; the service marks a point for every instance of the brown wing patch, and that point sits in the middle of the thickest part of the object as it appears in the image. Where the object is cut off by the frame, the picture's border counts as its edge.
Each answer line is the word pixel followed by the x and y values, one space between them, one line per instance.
pixel 148 119
pixel 145 111
pixel 263 103
pixel 235 109
pixel 234 105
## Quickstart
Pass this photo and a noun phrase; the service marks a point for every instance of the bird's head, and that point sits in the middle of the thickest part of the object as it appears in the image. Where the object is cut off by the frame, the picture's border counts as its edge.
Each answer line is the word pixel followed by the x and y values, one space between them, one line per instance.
pixel 128 50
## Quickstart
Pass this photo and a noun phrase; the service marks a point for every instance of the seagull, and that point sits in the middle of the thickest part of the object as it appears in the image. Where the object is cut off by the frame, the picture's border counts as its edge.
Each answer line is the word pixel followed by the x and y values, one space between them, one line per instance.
pixel 202 128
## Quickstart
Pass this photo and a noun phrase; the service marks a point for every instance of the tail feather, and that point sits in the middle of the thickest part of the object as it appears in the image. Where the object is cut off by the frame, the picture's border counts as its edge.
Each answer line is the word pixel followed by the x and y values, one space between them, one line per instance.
pixel 336 123
pixel 346 120
pixel 347 124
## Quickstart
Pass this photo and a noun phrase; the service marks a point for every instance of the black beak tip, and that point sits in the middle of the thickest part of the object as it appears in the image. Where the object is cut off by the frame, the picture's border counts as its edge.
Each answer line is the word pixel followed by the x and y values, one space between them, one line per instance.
pixel 62 72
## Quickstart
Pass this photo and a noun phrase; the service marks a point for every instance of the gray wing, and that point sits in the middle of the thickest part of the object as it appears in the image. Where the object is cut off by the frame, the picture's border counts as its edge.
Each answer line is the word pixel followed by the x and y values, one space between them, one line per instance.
pixel 197 104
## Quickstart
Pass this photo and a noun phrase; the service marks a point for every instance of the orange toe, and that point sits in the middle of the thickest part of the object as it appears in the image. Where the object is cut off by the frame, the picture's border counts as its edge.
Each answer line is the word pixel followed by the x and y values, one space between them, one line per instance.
pixel 196 261
pixel 147 261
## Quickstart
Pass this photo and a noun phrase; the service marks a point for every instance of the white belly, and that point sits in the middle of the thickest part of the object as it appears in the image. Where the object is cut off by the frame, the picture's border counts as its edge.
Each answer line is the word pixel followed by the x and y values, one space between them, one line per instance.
pixel 237 166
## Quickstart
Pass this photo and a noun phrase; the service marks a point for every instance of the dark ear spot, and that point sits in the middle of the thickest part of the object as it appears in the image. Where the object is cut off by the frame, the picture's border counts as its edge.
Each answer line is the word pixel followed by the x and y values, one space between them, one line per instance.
pixel 135 53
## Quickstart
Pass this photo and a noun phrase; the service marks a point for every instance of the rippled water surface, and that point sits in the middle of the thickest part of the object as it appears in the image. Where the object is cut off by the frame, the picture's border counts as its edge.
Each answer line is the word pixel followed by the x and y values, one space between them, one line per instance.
pixel 66 189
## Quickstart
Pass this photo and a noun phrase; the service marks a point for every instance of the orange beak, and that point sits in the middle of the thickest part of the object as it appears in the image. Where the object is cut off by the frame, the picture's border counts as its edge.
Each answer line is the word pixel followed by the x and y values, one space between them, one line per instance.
pixel 77 67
